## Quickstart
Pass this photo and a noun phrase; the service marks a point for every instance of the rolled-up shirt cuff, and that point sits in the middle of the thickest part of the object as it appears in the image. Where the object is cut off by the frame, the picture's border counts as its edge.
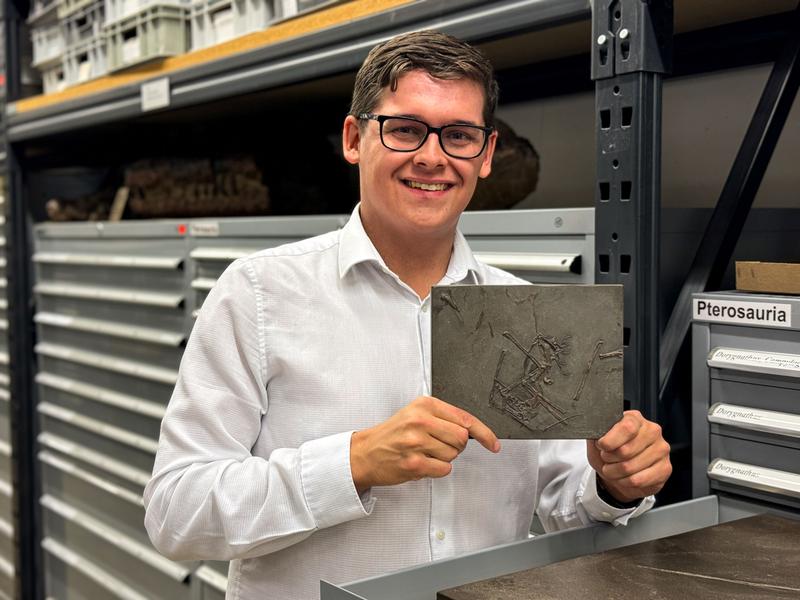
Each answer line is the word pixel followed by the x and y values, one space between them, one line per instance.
pixel 330 493
pixel 599 510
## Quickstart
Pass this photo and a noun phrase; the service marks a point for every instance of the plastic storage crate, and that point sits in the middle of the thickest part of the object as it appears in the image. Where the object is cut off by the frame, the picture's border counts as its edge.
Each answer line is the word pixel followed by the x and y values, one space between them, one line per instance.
pixel 216 21
pixel 155 32
pixel 85 24
pixel 48 45
pixel 42 11
pixel 121 9
pixel 67 7
pixel 53 79
pixel 86 61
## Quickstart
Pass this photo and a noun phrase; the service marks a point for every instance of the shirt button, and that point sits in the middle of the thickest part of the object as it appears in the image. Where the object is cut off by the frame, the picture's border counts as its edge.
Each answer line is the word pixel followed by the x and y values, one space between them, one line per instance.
pixel 425 307
pixel 440 535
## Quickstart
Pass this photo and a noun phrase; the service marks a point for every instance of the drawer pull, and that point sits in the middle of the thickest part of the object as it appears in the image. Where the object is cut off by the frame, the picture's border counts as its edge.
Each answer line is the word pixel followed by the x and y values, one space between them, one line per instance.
pixel 108 260
pixel 756 419
pixel 757 478
pixel 528 261
pixel 755 361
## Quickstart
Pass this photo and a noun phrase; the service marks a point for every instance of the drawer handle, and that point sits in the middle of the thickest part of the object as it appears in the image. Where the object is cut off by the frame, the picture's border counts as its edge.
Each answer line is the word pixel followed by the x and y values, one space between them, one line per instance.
pixel 756 419
pixel 755 361
pixel 753 477
pixel 527 261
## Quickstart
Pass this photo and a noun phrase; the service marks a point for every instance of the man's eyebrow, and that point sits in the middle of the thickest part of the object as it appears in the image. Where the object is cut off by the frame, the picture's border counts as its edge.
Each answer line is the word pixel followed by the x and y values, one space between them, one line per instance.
pixel 454 122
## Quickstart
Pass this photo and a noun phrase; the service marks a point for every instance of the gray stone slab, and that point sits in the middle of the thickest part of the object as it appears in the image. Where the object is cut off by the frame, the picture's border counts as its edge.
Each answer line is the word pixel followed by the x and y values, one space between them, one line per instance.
pixel 749 559
pixel 530 361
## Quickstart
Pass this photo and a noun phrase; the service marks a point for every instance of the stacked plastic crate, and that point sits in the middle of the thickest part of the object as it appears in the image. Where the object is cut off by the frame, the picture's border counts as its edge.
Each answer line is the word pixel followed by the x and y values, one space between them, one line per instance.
pixel 47 37
pixel 142 30
pixel 216 21
pixel 85 54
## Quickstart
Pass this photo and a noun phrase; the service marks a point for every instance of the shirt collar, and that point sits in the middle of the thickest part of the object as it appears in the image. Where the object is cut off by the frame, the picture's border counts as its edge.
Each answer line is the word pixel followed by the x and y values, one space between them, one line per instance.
pixel 355 247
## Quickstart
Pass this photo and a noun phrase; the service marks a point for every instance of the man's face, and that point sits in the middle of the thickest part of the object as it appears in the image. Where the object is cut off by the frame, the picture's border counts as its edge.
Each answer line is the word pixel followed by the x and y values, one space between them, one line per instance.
pixel 392 201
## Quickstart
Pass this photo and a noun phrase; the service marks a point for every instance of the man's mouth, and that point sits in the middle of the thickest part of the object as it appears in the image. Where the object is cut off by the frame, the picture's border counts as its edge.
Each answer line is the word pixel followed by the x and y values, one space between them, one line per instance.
pixel 427 187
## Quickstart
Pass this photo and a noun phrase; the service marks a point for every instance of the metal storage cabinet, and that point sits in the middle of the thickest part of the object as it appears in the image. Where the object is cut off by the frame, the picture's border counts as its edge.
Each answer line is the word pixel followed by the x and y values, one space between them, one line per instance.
pixel 111 323
pixel 746 398
pixel 7 570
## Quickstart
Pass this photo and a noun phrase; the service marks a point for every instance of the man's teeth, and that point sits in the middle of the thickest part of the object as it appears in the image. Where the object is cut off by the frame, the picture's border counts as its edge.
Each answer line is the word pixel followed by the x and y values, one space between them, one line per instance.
pixel 428 187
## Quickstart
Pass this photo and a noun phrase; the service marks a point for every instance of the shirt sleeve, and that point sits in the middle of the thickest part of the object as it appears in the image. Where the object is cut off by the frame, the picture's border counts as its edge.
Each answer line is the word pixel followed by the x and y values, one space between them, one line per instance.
pixel 209 497
pixel 568 489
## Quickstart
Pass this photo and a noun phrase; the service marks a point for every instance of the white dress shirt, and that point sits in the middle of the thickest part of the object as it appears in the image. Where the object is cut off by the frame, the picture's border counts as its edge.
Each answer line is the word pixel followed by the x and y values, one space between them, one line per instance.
pixel 294 349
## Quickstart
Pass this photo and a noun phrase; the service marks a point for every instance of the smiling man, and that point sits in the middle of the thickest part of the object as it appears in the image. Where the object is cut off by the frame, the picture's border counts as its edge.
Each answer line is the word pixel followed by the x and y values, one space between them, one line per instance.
pixel 301 440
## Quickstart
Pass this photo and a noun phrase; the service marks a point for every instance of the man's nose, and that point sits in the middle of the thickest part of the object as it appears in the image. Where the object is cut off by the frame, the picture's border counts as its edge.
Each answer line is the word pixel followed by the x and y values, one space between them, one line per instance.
pixel 430 154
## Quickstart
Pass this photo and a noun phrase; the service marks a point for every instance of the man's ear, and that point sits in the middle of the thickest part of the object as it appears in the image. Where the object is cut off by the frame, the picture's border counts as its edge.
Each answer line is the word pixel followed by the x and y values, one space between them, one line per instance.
pixel 351 140
pixel 486 163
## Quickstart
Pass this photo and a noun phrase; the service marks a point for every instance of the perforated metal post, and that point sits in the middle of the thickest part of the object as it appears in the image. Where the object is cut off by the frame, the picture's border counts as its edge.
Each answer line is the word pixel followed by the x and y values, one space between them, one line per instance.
pixel 631 49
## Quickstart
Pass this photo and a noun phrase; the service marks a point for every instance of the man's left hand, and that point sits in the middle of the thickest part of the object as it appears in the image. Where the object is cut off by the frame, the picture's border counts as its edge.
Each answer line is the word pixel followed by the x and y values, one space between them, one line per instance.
pixel 632 458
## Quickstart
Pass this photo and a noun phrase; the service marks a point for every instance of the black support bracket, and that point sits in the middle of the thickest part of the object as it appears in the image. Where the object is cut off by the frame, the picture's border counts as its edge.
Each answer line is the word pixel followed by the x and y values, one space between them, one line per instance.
pixel 631 49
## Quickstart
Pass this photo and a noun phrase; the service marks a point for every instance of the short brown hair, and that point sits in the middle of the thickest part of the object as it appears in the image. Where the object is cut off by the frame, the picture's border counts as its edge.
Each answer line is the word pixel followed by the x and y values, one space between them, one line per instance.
pixel 440 55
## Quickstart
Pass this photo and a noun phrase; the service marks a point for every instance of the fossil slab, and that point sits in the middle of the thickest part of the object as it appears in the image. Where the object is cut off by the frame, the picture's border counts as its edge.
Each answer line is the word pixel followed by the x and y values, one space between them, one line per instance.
pixel 748 559
pixel 530 361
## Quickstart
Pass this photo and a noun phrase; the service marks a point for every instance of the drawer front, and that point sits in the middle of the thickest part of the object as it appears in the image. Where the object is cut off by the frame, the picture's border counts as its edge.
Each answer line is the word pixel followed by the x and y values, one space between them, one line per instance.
pixel 750 468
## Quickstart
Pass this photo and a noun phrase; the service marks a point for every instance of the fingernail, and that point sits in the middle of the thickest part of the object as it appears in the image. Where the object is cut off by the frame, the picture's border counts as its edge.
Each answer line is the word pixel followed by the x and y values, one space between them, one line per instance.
pixel 496 446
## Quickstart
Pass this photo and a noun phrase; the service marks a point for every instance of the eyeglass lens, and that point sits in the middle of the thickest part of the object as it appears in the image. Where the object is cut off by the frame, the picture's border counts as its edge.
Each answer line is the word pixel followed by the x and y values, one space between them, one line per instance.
pixel 462 141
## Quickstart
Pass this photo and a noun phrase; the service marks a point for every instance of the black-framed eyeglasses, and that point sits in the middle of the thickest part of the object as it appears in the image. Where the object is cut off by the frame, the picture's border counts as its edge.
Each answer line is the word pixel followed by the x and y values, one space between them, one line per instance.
pixel 404 134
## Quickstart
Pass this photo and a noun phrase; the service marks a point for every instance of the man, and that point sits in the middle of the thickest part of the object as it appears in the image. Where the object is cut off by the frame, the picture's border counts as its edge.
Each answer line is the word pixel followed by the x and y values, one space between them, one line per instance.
pixel 301 439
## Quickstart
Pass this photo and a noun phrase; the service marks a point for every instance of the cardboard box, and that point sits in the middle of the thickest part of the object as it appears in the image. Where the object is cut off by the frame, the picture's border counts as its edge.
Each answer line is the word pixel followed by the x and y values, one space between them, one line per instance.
pixel 775 278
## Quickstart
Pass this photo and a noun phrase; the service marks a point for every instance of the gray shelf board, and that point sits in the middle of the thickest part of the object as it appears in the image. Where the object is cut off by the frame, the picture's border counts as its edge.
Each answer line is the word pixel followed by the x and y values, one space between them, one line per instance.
pixel 116 538
pixel 5 395
pixel 115 587
pixel 109 260
pixel 70 468
pixel 3 324
pixel 108 294
pixel 330 51
pixel 94 458
pixel 5 448
pixel 3 304
pixel 100 394
pixel 107 363
pixel 5 488
pixel 110 328
pixel 4 358
pixel 112 432
pixel 212 578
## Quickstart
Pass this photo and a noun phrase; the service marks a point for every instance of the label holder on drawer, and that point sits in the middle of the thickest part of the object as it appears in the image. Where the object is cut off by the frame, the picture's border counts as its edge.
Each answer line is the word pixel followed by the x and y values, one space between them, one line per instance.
pixel 755 477
pixel 755 419
pixel 755 361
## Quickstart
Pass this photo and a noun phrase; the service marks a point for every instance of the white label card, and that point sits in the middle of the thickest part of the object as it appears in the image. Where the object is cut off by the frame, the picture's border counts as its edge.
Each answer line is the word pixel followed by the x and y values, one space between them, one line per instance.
pixel 738 311
pixel 774 363
pixel 760 478
pixel 204 229
pixel 756 419
pixel 155 94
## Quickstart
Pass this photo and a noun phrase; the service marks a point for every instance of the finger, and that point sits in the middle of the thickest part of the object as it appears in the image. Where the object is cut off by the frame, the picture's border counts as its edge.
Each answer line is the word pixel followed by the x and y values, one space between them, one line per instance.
pixel 448 433
pixel 477 429
pixel 647 436
pixel 441 451
pixel 420 465
pixel 641 462
pixel 646 482
pixel 622 432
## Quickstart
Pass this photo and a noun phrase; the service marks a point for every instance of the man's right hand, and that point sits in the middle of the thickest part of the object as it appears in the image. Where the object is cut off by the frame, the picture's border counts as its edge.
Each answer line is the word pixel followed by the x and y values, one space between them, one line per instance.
pixel 420 440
